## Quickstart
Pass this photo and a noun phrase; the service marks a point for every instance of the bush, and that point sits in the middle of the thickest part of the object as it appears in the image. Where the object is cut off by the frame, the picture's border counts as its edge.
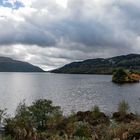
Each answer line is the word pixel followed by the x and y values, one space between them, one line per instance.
pixel 41 111
pixel 123 107
pixel 96 112
pixel 82 129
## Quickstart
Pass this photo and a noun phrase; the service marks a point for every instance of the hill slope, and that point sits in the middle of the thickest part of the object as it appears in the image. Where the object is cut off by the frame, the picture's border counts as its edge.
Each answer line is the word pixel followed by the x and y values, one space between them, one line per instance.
pixel 101 65
pixel 10 65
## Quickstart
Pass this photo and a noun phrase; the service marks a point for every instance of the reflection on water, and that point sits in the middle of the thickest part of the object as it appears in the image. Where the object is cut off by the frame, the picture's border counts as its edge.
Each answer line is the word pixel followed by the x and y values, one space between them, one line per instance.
pixel 71 92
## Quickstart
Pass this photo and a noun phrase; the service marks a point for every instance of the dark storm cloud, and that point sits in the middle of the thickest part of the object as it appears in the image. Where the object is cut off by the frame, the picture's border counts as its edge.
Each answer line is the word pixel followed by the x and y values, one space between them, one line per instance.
pixel 89 33
pixel 131 16
pixel 24 33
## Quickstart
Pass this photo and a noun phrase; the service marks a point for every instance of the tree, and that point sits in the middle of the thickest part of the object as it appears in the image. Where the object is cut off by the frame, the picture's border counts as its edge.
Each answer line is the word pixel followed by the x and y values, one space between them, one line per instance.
pixel 119 76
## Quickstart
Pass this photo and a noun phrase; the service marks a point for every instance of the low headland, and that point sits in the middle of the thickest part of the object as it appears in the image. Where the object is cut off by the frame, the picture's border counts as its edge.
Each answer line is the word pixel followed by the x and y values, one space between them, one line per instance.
pixel 44 121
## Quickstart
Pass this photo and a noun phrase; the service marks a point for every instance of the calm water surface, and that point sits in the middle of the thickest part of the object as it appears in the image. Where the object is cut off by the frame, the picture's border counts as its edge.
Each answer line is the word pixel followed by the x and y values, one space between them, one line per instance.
pixel 71 92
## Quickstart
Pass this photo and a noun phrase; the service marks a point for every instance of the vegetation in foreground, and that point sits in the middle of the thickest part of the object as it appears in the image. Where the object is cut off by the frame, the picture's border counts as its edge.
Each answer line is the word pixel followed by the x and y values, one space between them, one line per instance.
pixel 44 121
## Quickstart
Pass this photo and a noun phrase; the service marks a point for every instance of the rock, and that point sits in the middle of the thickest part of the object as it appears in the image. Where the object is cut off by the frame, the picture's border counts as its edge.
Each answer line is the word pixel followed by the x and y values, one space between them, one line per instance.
pixel 88 117
pixel 127 118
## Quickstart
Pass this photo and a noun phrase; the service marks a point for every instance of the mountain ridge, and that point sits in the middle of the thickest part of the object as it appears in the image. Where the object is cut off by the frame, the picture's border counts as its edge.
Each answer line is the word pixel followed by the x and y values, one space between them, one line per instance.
pixel 101 65
pixel 8 64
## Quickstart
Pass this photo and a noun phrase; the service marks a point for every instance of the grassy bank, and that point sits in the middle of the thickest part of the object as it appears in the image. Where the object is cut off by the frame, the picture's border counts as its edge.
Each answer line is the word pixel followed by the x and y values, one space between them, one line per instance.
pixel 44 121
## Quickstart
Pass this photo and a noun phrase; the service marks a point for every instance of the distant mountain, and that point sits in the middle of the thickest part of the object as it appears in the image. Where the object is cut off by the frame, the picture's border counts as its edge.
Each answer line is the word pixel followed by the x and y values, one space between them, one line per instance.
pixel 101 65
pixel 10 65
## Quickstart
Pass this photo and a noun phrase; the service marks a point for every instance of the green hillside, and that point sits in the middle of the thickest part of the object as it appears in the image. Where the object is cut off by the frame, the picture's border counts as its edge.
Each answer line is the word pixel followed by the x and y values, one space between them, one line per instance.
pixel 101 65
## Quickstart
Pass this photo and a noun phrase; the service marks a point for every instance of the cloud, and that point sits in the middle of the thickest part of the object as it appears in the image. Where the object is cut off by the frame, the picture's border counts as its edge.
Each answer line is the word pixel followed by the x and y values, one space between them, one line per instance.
pixel 52 33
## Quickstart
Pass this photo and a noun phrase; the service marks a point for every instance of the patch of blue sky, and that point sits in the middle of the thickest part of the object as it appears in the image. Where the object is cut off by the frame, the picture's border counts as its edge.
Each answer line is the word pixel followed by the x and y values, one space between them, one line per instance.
pixel 14 5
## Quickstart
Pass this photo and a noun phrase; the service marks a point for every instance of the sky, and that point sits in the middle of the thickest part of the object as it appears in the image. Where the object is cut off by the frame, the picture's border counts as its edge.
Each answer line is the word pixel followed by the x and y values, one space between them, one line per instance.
pixel 52 33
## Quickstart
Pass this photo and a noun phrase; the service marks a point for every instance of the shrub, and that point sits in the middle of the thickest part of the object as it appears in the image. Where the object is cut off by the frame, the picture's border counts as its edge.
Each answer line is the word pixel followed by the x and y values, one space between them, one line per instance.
pixel 123 107
pixel 83 129
pixel 96 112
